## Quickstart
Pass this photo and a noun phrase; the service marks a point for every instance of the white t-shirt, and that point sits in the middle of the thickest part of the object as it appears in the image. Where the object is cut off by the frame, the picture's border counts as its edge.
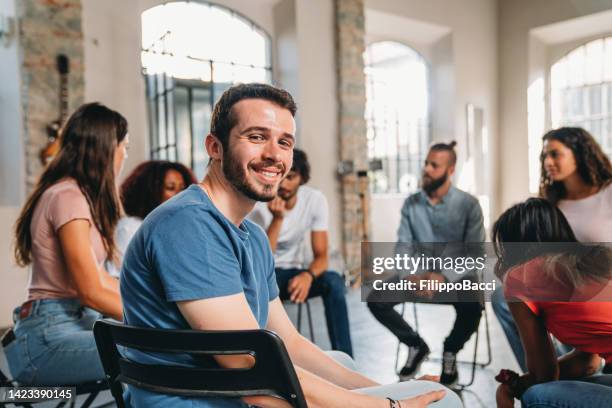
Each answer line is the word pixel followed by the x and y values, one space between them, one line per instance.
pixel 310 213
pixel 125 230
pixel 591 217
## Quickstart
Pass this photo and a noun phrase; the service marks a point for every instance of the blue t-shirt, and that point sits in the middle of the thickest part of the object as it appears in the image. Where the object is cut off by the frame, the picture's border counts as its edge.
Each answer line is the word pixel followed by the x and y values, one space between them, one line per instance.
pixel 185 250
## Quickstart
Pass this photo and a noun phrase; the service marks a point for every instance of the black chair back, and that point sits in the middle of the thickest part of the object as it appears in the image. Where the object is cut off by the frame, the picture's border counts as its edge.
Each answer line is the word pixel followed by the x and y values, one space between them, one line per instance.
pixel 272 375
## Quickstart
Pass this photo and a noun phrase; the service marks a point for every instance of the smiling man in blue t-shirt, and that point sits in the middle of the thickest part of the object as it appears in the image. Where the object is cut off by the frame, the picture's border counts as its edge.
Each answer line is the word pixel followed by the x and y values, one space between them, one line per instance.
pixel 196 263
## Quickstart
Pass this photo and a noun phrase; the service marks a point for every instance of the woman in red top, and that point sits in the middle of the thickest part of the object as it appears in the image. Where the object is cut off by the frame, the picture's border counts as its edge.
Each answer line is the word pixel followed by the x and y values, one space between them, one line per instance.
pixel 557 286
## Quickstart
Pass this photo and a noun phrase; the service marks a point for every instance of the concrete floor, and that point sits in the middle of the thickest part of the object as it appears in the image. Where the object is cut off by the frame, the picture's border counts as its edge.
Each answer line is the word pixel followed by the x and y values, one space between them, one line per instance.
pixel 375 347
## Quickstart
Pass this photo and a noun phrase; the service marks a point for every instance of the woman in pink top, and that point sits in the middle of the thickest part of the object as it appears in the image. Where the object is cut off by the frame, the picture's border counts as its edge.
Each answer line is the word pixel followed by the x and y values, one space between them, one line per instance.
pixel 65 232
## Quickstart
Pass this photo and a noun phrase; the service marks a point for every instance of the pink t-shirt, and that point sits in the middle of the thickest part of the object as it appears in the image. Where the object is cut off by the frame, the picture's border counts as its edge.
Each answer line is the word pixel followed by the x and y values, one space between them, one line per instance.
pixel 58 205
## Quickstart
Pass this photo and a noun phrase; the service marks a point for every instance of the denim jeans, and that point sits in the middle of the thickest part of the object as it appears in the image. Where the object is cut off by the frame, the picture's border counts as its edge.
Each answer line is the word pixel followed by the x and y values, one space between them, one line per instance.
pixel 502 311
pixel 54 345
pixel 468 315
pixel 330 286
pixel 593 392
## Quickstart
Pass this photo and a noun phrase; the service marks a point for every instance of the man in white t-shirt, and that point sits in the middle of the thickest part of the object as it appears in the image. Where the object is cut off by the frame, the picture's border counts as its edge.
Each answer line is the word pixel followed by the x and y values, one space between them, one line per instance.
pixel 297 210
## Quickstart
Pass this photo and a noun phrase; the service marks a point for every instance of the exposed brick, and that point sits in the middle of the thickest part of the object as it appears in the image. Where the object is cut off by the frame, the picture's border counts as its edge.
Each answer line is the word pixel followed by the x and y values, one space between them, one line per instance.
pixel 47 28
pixel 350 46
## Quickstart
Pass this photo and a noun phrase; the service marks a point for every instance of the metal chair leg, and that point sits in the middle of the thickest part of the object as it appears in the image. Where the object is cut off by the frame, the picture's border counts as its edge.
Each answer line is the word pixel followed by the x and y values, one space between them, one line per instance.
pixel 309 315
pixel 399 343
pixel 474 363
pixel 299 318
pixel 489 356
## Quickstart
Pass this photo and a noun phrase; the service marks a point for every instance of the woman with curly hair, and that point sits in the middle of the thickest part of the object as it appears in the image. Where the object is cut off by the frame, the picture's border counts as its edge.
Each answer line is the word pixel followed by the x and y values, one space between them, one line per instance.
pixel 149 185
pixel 576 176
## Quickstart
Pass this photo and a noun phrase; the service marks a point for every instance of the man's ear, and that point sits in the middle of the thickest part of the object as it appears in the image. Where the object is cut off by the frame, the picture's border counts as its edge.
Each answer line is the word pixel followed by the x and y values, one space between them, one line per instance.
pixel 214 148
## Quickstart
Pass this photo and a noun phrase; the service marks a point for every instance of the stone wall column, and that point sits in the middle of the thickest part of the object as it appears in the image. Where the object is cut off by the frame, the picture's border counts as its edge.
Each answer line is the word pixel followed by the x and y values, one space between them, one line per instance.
pixel 350 46
pixel 47 28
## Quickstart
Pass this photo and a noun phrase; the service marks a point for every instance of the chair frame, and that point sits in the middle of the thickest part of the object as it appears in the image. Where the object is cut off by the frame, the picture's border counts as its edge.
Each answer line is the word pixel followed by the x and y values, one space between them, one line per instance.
pixel 308 316
pixel 92 388
pixel 474 363
pixel 272 374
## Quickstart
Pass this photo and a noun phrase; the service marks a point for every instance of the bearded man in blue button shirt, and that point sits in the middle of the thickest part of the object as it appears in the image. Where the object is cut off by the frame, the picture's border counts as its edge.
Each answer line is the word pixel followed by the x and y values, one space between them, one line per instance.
pixel 439 212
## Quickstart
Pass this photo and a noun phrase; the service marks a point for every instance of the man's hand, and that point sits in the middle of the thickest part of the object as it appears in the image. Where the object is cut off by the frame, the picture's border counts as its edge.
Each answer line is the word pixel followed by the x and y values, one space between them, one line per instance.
pixel 277 207
pixel 299 287
pixel 423 400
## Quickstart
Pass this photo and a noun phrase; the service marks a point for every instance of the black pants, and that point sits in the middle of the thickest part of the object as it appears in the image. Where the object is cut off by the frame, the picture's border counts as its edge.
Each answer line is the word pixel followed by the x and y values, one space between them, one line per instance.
pixel 466 323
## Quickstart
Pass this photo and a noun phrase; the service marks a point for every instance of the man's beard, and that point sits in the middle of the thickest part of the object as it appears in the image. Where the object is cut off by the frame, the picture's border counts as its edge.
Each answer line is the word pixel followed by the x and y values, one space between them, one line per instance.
pixel 237 177
pixel 433 184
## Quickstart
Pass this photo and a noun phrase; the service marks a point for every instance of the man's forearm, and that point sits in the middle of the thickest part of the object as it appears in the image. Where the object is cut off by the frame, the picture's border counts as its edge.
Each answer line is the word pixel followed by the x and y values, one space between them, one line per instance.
pixel 319 265
pixel 306 355
pixel 320 392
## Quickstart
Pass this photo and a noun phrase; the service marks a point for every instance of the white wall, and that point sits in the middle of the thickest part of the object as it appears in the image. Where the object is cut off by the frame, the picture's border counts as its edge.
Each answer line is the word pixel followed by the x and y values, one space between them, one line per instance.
pixel 466 49
pixel 13 280
pixel 516 19
pixel 317 101
pixel 12 168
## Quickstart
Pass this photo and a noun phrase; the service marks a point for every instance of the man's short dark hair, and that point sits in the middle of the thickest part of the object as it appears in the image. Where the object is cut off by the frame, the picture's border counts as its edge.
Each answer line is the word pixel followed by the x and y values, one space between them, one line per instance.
pixel 446 147
pixel 223 119
pixel 301 165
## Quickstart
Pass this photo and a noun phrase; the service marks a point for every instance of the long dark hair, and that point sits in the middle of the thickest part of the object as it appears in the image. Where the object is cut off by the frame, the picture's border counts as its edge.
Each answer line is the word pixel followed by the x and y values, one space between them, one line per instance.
pixel 142 190
pixel 538 221
pixel 592 164
pixel 88 142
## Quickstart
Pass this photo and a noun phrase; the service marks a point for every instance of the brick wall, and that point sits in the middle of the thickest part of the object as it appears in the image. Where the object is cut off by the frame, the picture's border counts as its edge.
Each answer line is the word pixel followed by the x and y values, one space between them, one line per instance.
pixel 47 28
pixel 350 45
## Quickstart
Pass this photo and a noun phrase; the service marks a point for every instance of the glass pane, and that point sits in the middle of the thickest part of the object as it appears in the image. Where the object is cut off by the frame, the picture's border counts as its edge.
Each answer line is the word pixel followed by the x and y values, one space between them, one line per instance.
pixel 201 113
pixel 396 113
pixel 594 61
pixel 595 96
pixel 183 127
pixel 558 75
pixel 170 125
pixel 595 129
pixel 575 67
pixel 603 137
pixel 607 74
pixel 173 36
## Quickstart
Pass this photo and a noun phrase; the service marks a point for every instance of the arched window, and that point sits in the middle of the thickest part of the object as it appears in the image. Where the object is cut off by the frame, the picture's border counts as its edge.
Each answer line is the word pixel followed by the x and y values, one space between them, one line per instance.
pixel 192 52
pixel 397 115
pixel 581 91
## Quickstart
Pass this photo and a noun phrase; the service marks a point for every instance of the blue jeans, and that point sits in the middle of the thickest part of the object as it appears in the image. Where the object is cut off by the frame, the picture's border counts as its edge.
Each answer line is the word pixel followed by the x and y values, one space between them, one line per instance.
pixel 330 286
pixel 54 345
pixel 502 311
pixel 594 392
